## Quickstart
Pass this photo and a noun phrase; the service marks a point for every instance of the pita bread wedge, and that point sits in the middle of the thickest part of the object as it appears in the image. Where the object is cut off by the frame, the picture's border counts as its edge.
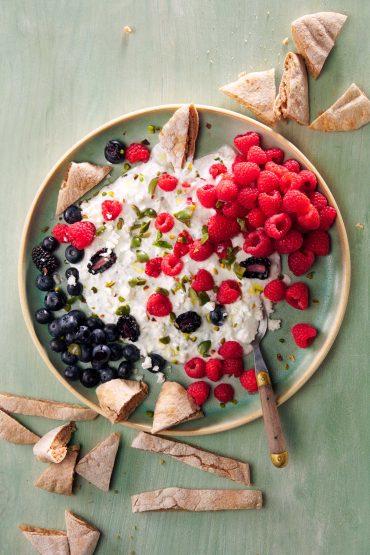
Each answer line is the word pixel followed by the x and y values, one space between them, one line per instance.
pixel 173 406
pixel 45 540
pixel 82 536
pixel 97 465
pixel 292 99
pixel 314 35
pixel 52 446
pixel 58 478
pixel 181 499
pixel 119 398
pixel 79 179
pixel 14 432
pixel 351 111
pixel 178 136
pixel 29 406
pixel 256 91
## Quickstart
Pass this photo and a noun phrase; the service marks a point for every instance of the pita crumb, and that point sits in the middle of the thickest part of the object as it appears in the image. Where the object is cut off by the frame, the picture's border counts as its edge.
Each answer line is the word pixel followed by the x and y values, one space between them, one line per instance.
pixel 360 226
pixel 285 41
pixel 128 30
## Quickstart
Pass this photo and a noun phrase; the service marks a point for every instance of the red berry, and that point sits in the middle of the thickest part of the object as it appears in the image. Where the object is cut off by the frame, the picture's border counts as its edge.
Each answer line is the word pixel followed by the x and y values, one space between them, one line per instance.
pixel 278 170
pixel 245 141
pixel 309 220
pixel 297 295
pixel 309 181
pixel 153 267
pixel 303 335
pixel 111 209
pixel 245 173
pixel 171 265
pixel 164 222
pixel 81 234
pixel 248 380
pixel 290 180
pixel 270 203
pixel 231 349
pixel 61 233
pixel 277 226
pixel 234 210
pixel 214 369
pixel 292 165
pixel 182 245
pixel 256 218
pixel 275 155
pixel 247 197
pixel 224 392
pixel 292 241
pixel 199 391
pixel 199 251
pixel 300 262
pixel 195 368
pixel 275 290
pixel 222 248
pixel 327 217
pixel 158 305
pixel 318 200
pixel 221 228
pixel 267 182
pixel 318 242
pixel 202 281
pixel 237 160
pixel 207 195
pixel 136 152
pixel 258 243
pixel 233 367
pixel 228 292
pixel 167 182
pixel 217 169
pixel 257 155
pixel 227 190
pixel 296 202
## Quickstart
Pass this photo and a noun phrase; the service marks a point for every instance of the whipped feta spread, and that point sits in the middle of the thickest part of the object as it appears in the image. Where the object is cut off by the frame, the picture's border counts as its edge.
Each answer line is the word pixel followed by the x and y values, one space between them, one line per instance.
pixel 106 293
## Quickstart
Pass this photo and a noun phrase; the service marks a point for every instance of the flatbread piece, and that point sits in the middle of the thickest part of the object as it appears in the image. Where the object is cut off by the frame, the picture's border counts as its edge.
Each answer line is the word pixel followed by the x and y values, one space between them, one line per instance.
pixel 45 540
pixel 52 446
pixel 82 536
pixel 58 478
pixel 119 398
pixel 97 465
pixel 13 432
pixel 178 136
pixel 173 406
pixel 292 100
pixel 30 406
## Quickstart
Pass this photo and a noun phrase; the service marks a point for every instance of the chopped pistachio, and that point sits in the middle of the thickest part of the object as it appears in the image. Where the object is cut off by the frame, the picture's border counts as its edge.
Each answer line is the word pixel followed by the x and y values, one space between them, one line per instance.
pixel 149 413
pixel 142 256
pixel 205 235
pixel 193 295
pixel 109 283
pixel 100 230
pixel 120 223
pixel 185 215
pixel 165 340
pixel 163 291
pixel 203 298
pixel 123 310
pixel 135 242
pixel 172 316
pixel 121 299
pixel 94 289
pixel 152 186
pixel 136 282
pixel 150 213
pixel 238 270
pixel 204 348
pixel 74 349
pixel 310 275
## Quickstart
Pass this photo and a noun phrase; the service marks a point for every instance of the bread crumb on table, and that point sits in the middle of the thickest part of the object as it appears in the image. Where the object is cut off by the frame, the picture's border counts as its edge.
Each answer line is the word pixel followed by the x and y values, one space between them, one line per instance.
pixel 285 41
pixel 128 29
pixel 360 226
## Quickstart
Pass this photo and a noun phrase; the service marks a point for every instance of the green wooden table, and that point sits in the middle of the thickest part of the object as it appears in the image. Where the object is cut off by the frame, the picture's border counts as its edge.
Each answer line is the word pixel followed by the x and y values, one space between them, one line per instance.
pixel 66 68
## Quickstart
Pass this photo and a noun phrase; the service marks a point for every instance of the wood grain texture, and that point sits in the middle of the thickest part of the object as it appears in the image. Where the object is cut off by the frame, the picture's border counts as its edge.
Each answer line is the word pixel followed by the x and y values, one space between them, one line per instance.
pixel 66 69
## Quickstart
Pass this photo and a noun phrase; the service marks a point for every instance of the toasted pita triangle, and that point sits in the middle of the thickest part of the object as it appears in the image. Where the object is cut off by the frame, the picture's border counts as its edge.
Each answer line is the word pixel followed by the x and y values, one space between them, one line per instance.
pixel 179 134
pixel 46 541
pixel 119 398
pixel 97 465
pixel 47 409
pixel 292 99
pixel 14 432
pixel 82 536
pixel 256 91
pixel 58 478
pixel 173 406
pixel 351 111
pixel 314 36
pixel 79 179
pixel 52 446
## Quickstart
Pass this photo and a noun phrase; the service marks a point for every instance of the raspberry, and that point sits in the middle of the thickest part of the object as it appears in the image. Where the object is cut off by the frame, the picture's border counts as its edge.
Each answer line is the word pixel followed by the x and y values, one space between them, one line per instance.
pixel 292 165
pixel 297 295
pixel 258 244
pixel 303 335
pixel 199 391
pixel 221 249
pixel 214 369
pixel 278 170
pixel 228 292
pixel 227 190
pixel 318 242
pixel 318 200
pixel 290 181
pixel 182 245
pixel 292 241
pixel 275 155
pixel 237 160
pixel 245 173
pixel 202 281
pixel 230 349
pixel 81 234
pixel 158 305
pixel 224 392
pixel 309 181
pixel 257 155
pixel 310 220
pixel 277 226
pixel 234 210
pixel 247 197
pixel 61 233
pixel 217 169
pixel 136 152
pixel 234 367
pixel 275 290
pixel 207 196
pixel 327 217
pixel 221 228
pixel 164 222
pixel 199 251
pixel 171 265
pixel 300 262
pixel 267 182
pixel 248 380
pixel 256 218
pixel 270 203
pixel 153 267
pixel 296 202
pixel 195 368
pixel 111 209
pixel 167 182
pixel 245 141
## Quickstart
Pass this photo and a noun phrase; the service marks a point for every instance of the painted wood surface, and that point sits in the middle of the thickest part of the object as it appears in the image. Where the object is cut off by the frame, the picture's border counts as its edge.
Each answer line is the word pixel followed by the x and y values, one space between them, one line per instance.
pixel 66 68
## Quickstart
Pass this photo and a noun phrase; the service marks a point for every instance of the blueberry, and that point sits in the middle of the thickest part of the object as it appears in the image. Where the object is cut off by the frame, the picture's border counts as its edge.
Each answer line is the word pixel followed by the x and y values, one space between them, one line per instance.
pixel 130 352
pixel 69 322
pixel 158 361
pixel 125 369
pixel 98 337
pixel 128 328
pixel 72 214
pixel 218 315
pixel 43 316
pixel 101 353
pixel 70 337
pixel 83 334
pixel 54 329
pixel 50 244
pixel 94 323
pixel 86 353
pixel 111 332
pixel 98 365
pixel 55 300
pixel 74 290
pixel 79 315
pixel 115 351
pixel 72 372
pixel 115 151
pixel 73 255
pixel 72 272
pixel 188 322
pixel 45 282
pixel 57 345
pixel 107 374
pixel 69 358
pixel 90 377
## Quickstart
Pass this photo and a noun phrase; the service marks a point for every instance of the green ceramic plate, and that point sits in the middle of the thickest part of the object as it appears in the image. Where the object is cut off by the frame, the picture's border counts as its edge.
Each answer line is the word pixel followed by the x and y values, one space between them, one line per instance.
pixel 329 285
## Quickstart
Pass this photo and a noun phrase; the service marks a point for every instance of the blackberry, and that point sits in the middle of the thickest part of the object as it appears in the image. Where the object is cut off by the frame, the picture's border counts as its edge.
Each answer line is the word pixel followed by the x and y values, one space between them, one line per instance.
pixel 256 268
pixel 101 261
pixel 114 151
pixel 187 322
pixel 44 261
pixel 157 361
pixel 128 328
pixel 218 315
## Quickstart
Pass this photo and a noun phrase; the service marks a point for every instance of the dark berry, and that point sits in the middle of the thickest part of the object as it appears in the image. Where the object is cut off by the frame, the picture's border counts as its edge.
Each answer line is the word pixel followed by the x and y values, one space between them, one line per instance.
pixel 101 261
pixel 44 261
pixel 111 332
pixel 50 244
pixel 90 377
pixel 79 315
pixel 72 272
pixel 107 374
pixel 86 353
pixel 115 152
pixel 101 353
pixel 70 337
pixel 72 372
pixel 256 268
pixel 72 214
pixel 69 358
pixel 115 351
pixel 74 290
pixel 128 328
pixel 130 352
pixel 69 322
pixel 55 300
pixel 98 337
pixel 73 255
pixel 54 329
pixel 43 316
pixel 158 363
pixel 125 369
pixel 83 335
pixel 187 322
pixel 44 282
pixel 94 323
pixel 98 365
pixel 218 315
pixel 57 345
